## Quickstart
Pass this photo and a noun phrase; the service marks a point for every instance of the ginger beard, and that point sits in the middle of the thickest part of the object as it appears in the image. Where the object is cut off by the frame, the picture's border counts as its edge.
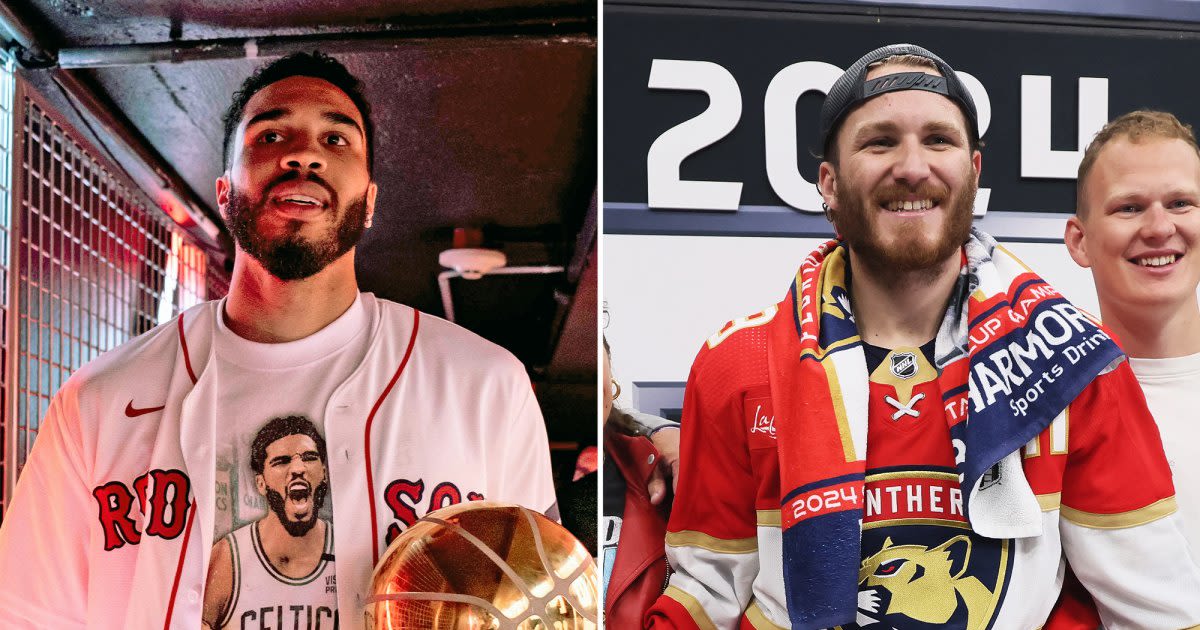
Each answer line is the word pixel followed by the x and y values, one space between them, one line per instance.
pixel 908 247
pixel 292 256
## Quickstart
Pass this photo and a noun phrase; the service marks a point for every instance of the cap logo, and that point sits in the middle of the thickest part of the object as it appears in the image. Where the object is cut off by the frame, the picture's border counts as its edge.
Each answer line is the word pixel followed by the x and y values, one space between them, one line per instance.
pixel 905 81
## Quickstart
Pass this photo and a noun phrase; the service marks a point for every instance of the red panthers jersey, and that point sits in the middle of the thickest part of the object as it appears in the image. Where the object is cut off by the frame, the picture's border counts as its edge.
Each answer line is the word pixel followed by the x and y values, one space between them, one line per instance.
pixel 1098 471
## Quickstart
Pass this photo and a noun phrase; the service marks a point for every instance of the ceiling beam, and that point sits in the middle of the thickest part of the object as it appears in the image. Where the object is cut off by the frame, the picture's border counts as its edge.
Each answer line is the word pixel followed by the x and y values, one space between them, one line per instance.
pixel 578 30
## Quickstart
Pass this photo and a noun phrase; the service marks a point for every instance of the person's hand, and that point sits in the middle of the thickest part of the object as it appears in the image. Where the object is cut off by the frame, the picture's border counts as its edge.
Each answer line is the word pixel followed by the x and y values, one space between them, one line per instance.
pixel 667 442
pixel 657 486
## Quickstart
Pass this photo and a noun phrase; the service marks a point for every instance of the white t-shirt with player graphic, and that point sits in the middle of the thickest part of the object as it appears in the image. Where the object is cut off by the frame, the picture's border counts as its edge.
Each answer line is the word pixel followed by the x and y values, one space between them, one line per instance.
pixel 271 459
pixel 265 598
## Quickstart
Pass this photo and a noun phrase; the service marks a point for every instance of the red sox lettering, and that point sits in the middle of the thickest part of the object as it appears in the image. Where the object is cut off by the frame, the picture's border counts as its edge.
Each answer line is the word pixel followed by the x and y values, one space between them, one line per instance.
pixel 163 506
pixel 160 502
pixel 403 497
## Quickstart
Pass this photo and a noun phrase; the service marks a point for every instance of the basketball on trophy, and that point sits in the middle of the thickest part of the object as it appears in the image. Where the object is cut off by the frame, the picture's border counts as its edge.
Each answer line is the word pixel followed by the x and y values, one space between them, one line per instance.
pixel 482 565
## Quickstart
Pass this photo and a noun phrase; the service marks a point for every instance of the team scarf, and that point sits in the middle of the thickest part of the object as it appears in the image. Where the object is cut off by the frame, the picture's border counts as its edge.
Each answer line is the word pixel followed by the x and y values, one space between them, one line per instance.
pixel 1011 353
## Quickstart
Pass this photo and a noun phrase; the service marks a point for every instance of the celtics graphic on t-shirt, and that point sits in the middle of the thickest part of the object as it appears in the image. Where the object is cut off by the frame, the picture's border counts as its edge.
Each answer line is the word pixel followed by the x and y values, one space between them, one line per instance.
pixel 278 571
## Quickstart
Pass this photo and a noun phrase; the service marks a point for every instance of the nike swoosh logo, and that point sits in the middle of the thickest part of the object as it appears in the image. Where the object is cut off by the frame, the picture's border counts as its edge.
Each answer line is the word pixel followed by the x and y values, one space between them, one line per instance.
pixel 134 412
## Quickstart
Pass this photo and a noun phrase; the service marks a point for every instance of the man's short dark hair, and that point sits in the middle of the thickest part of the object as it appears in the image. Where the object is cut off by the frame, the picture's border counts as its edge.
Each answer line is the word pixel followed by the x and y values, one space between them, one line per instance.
pixel 315 64
pixel 278 429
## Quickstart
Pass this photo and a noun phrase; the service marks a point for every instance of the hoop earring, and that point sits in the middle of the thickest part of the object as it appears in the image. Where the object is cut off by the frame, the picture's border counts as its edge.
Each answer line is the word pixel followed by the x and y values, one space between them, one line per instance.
pixel 616 388
pixel 824 206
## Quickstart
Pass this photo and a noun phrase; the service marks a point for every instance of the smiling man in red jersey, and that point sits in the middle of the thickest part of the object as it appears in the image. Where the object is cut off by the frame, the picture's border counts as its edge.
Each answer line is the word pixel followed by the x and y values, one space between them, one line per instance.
pixel 922 432
pixel 147 457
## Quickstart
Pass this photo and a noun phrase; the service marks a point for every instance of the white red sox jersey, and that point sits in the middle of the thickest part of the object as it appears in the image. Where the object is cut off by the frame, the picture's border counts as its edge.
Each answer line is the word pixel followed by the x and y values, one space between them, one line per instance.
pixel 117 495
pixel 1098 473
pixel 265 598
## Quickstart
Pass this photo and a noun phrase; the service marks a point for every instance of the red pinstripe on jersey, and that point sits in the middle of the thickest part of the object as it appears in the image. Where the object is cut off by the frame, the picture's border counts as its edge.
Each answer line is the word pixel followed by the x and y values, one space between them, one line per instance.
pixel 187 533
pixel 367 435
pixel 187 359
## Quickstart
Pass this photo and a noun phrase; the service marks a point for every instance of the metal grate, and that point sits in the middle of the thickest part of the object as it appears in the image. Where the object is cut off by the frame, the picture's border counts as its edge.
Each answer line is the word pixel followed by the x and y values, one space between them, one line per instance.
pixel 96 263
pixel 7 138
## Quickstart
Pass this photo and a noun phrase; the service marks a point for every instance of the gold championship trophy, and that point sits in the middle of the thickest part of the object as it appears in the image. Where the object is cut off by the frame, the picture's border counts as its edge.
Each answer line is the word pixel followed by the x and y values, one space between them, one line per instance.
pixel 482 565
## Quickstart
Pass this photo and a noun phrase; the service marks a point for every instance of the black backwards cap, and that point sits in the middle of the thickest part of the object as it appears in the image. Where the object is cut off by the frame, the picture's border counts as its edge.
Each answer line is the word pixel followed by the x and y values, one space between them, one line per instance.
pixel 853 88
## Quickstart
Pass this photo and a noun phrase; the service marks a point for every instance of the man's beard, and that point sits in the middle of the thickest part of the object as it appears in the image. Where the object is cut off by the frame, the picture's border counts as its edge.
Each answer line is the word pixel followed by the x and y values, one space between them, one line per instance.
pixel 291 256
pixel 298 528
pixel 912 251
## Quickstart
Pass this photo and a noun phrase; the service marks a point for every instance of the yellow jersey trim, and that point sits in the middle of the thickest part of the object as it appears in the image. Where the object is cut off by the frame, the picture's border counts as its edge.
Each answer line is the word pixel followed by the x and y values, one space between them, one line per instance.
pixel 692 605
pixel 1132 518
pixel 689 538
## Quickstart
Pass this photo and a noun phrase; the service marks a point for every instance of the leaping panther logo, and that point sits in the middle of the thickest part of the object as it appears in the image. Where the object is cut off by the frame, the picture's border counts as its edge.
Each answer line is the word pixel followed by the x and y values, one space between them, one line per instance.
pixel 924 584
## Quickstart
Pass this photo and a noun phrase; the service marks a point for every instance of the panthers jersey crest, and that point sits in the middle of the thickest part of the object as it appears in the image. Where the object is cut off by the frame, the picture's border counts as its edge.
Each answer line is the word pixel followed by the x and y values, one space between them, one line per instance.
pixel 922 566
pixel 930 576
